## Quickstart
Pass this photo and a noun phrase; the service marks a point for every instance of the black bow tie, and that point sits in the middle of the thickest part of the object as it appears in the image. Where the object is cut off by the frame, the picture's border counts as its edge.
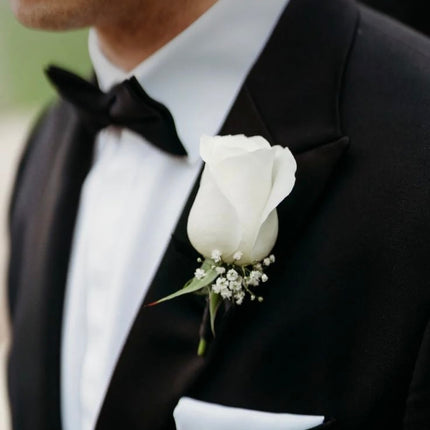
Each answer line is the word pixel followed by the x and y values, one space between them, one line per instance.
pixel 125 105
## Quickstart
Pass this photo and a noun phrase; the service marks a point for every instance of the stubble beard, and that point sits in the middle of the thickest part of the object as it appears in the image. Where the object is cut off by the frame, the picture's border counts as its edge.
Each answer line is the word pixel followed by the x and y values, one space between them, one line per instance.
pixel 128 30
pixel 59 15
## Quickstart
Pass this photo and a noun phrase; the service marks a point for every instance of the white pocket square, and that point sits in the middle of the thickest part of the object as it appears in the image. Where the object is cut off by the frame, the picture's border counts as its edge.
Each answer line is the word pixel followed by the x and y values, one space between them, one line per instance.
pixel 191 414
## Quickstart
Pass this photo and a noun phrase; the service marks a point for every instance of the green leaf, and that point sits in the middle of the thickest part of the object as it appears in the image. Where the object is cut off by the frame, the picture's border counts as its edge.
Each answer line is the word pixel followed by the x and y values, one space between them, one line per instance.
pixel 214 302
pixel 208 264
pixel 194 284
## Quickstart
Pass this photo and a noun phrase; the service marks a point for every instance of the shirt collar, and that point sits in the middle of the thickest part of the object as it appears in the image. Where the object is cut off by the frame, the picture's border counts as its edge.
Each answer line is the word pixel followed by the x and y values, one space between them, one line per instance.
pixel 198 74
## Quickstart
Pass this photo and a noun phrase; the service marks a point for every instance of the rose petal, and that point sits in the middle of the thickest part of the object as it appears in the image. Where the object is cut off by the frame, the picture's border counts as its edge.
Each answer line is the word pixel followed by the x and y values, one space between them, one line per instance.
pixel 213 223
pixel 246 182
pixel 266 238
pixel 283 179
pixel 217 148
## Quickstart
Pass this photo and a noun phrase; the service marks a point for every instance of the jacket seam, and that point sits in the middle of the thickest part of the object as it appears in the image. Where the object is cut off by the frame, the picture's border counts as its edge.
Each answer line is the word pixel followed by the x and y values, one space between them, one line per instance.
pixel 342 80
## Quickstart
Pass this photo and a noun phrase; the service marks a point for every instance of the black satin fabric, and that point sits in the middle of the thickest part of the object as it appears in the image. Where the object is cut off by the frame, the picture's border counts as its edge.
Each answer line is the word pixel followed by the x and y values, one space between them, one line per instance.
pixel 343 330
pixel 125 105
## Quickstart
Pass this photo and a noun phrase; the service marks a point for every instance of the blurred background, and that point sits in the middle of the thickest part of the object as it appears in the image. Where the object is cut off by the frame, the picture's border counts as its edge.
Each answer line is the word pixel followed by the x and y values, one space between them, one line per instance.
pixel 24 91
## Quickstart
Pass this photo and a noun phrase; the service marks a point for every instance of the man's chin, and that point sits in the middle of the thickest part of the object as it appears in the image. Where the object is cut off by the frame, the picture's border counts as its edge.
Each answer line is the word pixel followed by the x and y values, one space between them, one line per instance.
pixel 52 14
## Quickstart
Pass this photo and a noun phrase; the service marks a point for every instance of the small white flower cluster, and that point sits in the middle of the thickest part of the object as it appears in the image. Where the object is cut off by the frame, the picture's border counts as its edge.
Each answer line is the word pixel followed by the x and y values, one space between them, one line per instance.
pixel 230 287
pixel 199 273
pixel 234 281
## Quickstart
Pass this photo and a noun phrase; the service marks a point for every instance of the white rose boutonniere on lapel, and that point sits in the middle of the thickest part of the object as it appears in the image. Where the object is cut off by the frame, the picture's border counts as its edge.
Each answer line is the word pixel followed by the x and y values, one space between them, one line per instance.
pixel 233 222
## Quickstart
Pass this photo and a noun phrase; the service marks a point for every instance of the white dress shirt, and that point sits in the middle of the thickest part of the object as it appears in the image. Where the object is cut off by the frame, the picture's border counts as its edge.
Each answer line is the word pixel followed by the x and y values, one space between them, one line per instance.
pixel 134 193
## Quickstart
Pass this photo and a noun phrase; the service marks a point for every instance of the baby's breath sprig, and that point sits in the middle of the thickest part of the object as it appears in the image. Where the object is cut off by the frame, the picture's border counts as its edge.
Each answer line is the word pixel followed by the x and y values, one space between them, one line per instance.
pixel 223 282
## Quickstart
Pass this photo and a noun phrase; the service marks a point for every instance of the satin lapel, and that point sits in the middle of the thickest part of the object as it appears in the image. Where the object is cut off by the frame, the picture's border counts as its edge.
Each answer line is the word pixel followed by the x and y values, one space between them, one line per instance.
pixel 34 362
pixel 158 363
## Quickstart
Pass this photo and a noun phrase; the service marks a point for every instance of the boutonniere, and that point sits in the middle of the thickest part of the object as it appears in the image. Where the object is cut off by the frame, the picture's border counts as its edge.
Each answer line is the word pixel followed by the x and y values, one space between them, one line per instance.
pixel 233 222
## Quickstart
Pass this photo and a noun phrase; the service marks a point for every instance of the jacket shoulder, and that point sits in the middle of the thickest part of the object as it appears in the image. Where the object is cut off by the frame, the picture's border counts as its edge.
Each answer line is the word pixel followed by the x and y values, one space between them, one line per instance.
pixel 387 78
pixel 385 111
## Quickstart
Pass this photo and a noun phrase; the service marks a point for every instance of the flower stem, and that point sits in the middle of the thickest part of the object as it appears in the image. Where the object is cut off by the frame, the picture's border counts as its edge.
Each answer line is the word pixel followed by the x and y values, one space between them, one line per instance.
pixel 204 331
pixel 202 347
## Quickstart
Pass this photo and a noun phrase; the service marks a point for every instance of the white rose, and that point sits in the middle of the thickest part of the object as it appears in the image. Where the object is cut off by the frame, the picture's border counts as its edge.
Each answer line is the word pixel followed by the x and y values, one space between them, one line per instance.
pixel 243 182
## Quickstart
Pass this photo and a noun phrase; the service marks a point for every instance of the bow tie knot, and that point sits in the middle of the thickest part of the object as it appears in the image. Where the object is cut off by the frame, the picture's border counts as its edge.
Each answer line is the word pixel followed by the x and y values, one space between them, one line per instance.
pixel 125 105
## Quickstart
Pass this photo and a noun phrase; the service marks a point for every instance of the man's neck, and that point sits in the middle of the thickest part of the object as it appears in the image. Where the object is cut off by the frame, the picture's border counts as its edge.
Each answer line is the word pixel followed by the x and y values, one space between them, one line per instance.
pixel 128 40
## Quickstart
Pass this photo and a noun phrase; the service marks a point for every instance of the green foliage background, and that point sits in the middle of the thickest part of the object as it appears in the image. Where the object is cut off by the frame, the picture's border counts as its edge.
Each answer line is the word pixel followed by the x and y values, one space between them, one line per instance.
pixel 25 53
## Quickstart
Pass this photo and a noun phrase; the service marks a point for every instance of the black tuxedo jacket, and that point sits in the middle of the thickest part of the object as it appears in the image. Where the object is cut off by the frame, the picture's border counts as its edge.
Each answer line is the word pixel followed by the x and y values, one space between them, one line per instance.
pixel 411 12
pixel 344 329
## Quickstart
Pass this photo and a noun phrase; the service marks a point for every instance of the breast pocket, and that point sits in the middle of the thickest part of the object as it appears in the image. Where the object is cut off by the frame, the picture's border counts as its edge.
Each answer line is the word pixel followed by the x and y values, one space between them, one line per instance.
pixel 191 414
